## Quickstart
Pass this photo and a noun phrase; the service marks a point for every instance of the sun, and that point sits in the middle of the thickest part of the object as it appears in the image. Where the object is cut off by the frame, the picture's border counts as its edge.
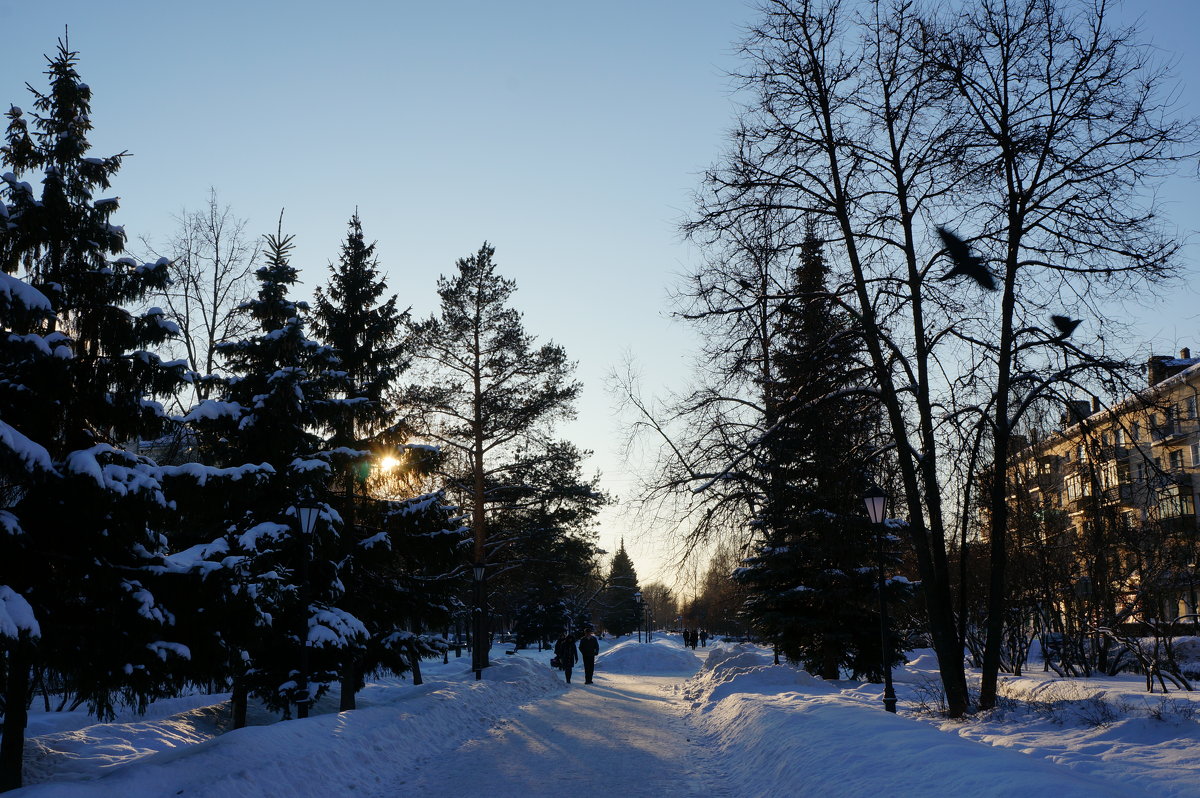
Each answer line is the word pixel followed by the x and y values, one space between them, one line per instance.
pixel 387 463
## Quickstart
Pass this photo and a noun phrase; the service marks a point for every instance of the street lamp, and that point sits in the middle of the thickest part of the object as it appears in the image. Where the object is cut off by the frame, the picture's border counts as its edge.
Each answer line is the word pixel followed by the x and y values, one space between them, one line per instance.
pixel 638 598
pixel 307 513
pixel 478 652
pixel 875 498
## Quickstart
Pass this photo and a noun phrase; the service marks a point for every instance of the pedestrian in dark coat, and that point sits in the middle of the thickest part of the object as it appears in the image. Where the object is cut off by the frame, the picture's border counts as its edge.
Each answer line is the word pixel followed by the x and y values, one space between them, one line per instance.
pixel 703 638
pixel 687 638
pixel 589 647
pixel 564 649
pixel 695 639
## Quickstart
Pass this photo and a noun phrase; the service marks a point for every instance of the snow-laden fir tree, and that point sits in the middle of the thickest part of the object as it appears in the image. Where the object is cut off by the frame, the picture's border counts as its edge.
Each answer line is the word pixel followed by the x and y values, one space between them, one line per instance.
pixel 812 574
pixel 398 556
pixel 82 513
pixel 265 421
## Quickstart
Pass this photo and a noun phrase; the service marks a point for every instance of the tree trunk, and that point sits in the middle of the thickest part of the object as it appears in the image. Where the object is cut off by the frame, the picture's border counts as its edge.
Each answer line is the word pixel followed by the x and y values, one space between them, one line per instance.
pixel 349 682
pixel 16 697
pixel 238 701
pixel 415 662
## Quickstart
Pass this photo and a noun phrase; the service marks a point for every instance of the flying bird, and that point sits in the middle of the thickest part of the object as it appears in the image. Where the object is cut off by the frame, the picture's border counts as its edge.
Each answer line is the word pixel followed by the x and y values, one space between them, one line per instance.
pixel 1066 325
pixel 964 261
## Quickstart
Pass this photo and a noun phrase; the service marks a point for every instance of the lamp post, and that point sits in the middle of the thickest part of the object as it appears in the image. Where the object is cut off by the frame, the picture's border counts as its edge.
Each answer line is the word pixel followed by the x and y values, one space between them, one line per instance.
pixel 875 498
pixel 307 513
pixel 478 652
pixel 638 598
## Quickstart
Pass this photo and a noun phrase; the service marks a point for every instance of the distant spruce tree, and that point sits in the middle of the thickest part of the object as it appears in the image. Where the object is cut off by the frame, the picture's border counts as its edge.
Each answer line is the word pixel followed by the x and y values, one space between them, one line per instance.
pixel 621 614
pixel 265 417
pixel 82 514
pixel 490 395
pixel 811 576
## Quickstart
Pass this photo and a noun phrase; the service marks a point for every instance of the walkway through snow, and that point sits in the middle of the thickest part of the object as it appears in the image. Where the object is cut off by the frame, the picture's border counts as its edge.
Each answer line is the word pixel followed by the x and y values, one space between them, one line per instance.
pixel 624 732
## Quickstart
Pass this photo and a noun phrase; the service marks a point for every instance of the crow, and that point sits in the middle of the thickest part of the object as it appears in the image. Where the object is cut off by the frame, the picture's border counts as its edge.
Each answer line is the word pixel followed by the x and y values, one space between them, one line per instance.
pixel 1066 325
pixel 964 261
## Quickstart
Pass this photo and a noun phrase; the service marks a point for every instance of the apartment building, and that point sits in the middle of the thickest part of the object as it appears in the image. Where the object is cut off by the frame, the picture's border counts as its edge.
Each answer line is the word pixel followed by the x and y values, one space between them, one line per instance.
pixel 1134 468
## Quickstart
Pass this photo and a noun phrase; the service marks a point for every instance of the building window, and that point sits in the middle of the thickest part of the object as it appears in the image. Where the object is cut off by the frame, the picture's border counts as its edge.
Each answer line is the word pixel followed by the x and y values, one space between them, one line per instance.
pixel 1139 470
pixel 1173 505
pixel 1175 459
pixel 1119 436
pixel 1191 407
pixel 1135 431
pixel 1196 455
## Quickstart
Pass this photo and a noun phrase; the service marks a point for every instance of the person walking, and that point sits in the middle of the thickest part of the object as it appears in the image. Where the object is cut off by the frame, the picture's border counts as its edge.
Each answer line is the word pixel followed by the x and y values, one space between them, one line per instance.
pixel 564 649
pixel 703 638
pixel 695 638
pixel 589 647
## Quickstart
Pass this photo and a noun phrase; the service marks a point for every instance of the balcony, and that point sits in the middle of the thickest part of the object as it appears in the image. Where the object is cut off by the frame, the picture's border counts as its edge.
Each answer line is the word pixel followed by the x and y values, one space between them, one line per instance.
pixel 1173 430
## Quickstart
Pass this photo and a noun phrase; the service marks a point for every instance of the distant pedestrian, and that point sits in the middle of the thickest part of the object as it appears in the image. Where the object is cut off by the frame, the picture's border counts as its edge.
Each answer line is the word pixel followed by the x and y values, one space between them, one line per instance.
pixel 703 638
pixel 687 638
pixel 589 647
pixel 695 639
pixel 565 651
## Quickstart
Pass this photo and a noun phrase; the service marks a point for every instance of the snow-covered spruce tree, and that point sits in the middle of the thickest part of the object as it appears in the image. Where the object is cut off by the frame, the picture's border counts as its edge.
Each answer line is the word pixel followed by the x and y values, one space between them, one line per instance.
pixel 81 513
pixel 398 555
pixel 621 608
pixel 265 418
pixel 490 396
pixel 812 575
pixel 401 580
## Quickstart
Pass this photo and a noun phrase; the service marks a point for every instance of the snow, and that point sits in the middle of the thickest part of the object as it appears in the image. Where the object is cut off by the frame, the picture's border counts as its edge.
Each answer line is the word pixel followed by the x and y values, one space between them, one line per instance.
pixel 211 409
pixel 659 720
pixel 32 455
pixel 16 615
pixel 19 292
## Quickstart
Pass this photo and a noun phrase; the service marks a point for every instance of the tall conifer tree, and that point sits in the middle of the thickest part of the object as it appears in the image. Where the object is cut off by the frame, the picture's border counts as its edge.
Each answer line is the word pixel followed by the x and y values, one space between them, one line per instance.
pixel 397 555
pixel 811 576
pixel 265 418
pixel 82 513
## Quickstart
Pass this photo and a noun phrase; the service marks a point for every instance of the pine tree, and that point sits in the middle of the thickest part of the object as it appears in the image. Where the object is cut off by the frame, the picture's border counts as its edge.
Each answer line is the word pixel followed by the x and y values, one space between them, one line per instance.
pixel 622 613
pixel 491 395
pixel 811 575
pixel 83 514
pixel 542 528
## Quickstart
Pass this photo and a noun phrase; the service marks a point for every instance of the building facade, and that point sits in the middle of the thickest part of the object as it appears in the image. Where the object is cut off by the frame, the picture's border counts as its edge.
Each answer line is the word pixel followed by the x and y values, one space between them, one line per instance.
pixel 1114 492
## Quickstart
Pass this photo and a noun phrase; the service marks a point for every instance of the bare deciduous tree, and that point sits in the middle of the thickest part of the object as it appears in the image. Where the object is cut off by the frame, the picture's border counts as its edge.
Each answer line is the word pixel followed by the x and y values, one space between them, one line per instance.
pixel 212 277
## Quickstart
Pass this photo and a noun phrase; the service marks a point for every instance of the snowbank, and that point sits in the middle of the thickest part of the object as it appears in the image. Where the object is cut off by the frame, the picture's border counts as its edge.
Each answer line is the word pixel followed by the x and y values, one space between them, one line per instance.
pixel 660 658
pixel 780 731
pixel 396 727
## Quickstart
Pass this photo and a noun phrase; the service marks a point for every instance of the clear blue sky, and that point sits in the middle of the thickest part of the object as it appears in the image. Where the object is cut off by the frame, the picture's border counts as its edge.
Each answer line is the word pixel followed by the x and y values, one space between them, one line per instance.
pixel 568 134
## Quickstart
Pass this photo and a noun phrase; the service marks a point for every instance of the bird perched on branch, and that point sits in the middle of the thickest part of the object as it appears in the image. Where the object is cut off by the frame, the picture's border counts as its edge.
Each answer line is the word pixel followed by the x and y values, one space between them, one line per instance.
pixel 1066 325
pixel 964 261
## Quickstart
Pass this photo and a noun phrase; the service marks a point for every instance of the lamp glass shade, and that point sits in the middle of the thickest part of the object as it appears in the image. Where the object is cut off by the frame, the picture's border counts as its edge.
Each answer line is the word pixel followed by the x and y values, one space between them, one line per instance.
pixel 637 597
pixel 308 514
pixel 875 498
pixel 479 569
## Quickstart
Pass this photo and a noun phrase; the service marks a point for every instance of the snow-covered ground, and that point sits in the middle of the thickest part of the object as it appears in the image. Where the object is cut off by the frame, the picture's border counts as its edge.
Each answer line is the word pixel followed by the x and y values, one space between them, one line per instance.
pixel 660 720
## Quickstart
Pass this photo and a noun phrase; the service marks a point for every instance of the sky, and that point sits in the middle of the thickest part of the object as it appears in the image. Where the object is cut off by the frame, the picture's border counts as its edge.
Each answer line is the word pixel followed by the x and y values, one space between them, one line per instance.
pixel 569 135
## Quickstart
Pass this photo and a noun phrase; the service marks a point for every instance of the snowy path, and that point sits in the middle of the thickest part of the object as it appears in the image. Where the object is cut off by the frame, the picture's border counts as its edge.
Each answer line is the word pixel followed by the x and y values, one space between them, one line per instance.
pixel 624 732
